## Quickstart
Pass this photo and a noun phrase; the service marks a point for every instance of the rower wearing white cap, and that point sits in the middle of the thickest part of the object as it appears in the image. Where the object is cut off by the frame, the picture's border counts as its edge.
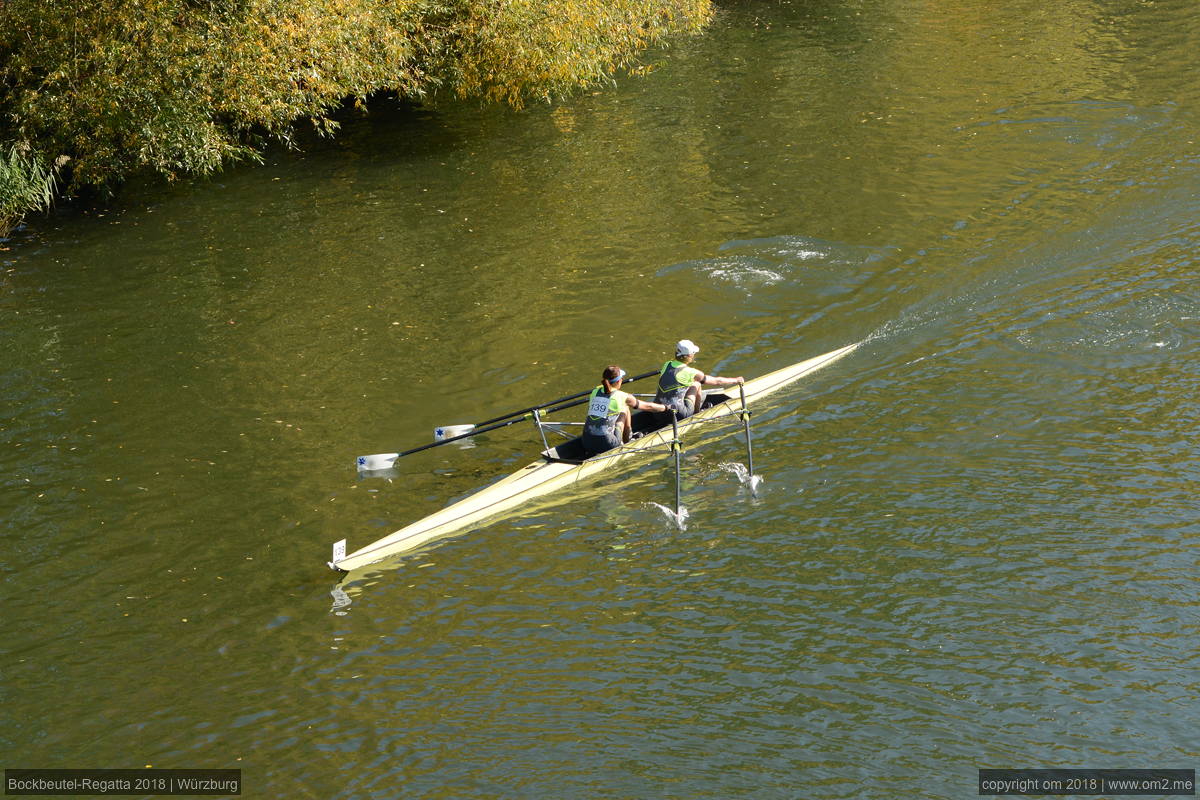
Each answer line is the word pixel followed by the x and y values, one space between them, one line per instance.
pixel 679 382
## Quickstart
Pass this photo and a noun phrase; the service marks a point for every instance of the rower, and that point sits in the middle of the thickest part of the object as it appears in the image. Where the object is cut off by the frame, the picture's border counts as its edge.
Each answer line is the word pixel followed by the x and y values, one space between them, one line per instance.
pixel 609 423
pixel 679 382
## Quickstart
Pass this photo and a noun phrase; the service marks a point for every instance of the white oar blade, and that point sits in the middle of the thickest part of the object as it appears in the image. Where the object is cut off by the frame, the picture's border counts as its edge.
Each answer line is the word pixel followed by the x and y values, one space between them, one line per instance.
pixel 376 462
pixel 450 431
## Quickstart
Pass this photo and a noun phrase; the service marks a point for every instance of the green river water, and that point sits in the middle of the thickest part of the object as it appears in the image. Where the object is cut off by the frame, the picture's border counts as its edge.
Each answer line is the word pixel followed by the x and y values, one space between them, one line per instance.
pixel 975 543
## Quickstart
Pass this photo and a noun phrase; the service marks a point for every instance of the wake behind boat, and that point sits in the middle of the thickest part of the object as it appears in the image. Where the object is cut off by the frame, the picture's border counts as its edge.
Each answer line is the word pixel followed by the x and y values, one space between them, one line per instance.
pixel 568 463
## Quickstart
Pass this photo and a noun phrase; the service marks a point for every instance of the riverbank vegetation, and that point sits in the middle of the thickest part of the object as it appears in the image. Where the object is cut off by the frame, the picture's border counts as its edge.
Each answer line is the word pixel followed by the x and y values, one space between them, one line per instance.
pixel 93 93
pixel 26 184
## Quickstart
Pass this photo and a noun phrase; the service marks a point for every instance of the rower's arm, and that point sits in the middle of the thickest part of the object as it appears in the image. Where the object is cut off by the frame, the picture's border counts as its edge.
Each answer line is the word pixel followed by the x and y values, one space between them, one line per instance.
pixel 646 405
pixel 715 380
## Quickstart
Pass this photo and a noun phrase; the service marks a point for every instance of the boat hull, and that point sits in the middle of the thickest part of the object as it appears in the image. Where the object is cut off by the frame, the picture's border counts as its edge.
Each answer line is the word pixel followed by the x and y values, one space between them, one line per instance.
pixel 551 473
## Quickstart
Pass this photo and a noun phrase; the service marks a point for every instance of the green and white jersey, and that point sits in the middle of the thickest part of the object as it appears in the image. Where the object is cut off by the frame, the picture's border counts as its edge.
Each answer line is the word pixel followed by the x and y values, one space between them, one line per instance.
pixel 673 382
pixel 604 410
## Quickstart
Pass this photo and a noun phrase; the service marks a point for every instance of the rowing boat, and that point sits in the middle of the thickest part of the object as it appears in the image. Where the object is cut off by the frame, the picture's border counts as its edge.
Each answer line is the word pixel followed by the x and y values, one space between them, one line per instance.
pixel 567 464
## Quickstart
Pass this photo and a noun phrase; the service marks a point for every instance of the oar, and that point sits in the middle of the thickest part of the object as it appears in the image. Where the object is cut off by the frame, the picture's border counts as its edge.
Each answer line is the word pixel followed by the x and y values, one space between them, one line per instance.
pixel 676 446
pixel 745 415
pixel 385 460
pixel 526 411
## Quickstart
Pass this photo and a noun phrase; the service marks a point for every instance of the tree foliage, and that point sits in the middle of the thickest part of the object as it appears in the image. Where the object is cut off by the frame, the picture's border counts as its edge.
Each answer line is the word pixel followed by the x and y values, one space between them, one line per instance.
pixel 514 49
pixel 184 86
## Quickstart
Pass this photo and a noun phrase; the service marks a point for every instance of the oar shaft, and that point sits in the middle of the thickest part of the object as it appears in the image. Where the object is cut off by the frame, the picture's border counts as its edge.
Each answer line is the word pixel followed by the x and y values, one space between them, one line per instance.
pixel 575 396
pixel 517 416
pixel 484 429
pixel 675 446
pixel 463 436
pixel 746 425
pixel 571 404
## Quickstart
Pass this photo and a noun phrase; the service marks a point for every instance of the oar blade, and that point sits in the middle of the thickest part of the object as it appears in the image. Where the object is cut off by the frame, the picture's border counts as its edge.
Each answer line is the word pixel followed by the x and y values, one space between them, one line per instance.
pixel 376 462
pixel 451 431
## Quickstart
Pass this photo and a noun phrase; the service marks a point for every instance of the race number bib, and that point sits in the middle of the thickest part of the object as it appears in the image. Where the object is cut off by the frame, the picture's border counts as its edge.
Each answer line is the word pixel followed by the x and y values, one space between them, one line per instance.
pixel 598 407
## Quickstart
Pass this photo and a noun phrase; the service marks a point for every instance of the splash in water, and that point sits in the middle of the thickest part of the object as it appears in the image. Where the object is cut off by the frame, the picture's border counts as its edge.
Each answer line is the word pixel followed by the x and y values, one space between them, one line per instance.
pixel 340 601
pixel 744 477
pixel 679 519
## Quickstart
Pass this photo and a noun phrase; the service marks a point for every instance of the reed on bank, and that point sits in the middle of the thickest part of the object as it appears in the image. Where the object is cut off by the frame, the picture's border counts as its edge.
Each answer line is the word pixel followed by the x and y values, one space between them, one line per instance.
pixel 26 184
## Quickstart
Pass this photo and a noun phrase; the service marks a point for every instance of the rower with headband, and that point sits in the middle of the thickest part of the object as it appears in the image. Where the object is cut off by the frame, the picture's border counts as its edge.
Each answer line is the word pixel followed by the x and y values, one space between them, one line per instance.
pixel 609 422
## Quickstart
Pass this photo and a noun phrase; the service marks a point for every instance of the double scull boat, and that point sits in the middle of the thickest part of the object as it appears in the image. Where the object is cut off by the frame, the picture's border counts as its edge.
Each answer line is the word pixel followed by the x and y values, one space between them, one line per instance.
pixel 568 464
